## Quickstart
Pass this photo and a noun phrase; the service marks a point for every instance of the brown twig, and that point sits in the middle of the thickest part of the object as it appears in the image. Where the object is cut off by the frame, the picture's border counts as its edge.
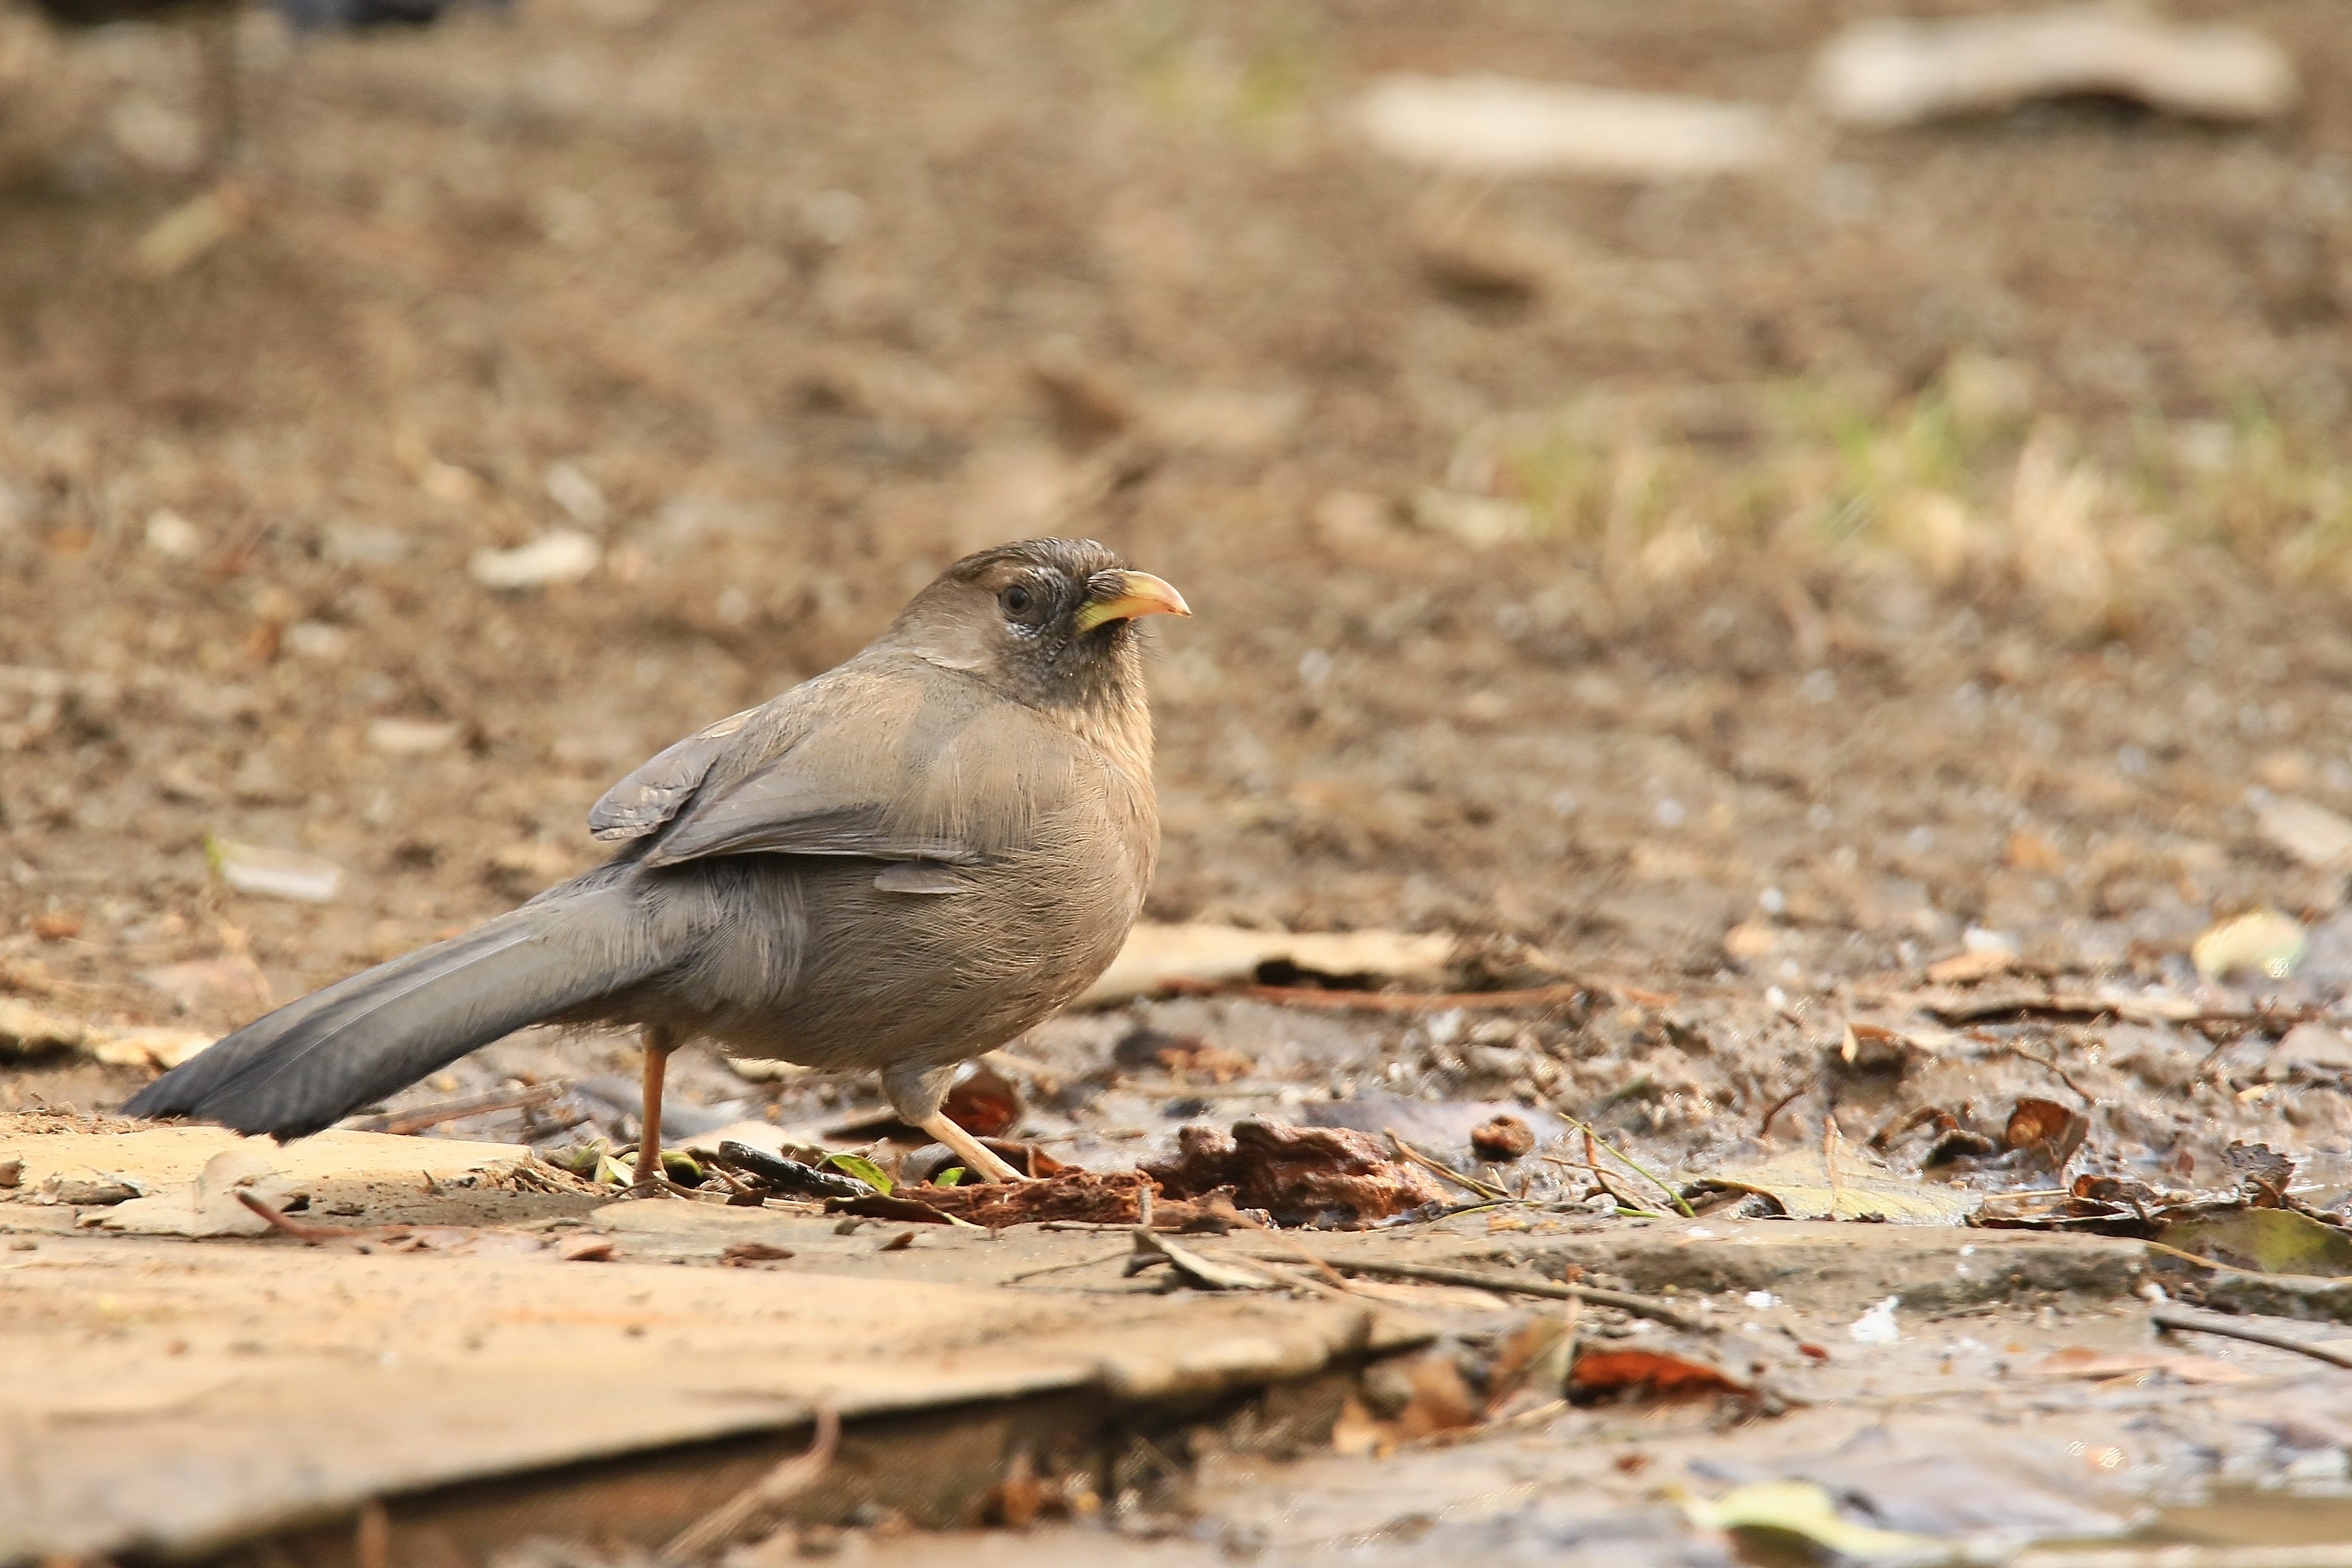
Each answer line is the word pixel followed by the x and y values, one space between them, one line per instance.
pixel 1600 1179
pixel 2180 1319
pixel 2013 1048
pixel 311 1234
pixel 1414 1001
pixel 1764 1128
pixel 721 1527
pixel 405 1122
pixel 1549 1289
pixel 1467 1183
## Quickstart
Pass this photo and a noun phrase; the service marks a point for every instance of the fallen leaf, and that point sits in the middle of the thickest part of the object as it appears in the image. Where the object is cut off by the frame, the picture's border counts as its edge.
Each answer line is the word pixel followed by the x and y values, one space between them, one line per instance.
pixel 1358 1433
pixel 1967 968
pixel 864 1169
pixel 2271 1241
pixel 2314 835
pixel 1532 1366
pixel 1208 1273
pixel 1482 125
pixel 210 1204
pixel 742 1254
pixel 1890 71
pixel 1656 1372
pixel 563 556
pixel 1776 1510
pixel 274 873
pixel 2264 942
pixel 1836 1181
pixel 1441 1399
pixel 2081 1361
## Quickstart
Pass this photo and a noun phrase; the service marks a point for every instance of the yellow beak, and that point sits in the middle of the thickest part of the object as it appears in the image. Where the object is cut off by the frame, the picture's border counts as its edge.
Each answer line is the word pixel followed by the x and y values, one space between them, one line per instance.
pixel 1130 594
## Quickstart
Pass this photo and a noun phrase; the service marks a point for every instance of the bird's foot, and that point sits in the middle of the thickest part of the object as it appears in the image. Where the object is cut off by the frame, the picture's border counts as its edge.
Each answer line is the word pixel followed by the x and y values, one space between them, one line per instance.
pixel 977 1158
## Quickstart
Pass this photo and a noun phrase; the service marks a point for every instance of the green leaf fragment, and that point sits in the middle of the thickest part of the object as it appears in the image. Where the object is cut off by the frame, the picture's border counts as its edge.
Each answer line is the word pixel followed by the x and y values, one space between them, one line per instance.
pixel 864 1169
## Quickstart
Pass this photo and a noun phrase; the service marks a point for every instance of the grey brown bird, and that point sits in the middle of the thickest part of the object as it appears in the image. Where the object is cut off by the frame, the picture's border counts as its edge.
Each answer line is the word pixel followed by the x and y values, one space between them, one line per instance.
pixel 895 866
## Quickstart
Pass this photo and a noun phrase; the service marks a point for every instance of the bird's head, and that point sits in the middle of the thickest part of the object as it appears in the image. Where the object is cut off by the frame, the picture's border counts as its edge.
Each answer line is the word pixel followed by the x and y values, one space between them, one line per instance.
pixel 1050 622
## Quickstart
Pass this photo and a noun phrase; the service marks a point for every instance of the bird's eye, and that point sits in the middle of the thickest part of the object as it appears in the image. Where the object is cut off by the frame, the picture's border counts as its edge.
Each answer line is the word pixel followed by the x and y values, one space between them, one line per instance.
pixel 1016 600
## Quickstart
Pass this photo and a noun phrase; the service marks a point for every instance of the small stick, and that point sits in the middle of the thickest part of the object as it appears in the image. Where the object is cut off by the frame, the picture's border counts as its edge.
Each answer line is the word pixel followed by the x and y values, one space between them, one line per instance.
pixel 1671 1196
pixel 1415 1001
pixel 1467 1183
pixel 1600 1179
pixel 405 1122
pixel 722 1525
pixel 1549 1289
pixel 1764 1128
pixel 311 1234
pixel 2047 1064
pixel 2180 1320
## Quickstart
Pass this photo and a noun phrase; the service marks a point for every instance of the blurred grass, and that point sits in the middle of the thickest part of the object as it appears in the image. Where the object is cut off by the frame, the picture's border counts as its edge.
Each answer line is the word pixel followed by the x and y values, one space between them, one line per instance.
pixel 1964 486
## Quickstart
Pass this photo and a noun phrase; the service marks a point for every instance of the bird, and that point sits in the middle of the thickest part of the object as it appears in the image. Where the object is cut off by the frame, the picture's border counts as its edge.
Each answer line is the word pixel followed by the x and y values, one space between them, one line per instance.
pixel 894 865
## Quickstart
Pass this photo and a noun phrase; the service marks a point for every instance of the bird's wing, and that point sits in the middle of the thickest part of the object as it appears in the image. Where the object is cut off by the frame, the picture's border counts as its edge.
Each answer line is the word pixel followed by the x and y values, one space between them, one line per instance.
pixel 650 796
pixel 901 765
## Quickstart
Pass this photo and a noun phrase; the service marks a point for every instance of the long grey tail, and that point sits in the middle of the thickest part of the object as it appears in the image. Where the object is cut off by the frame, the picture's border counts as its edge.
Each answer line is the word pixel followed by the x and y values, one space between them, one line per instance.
pixel 312 1062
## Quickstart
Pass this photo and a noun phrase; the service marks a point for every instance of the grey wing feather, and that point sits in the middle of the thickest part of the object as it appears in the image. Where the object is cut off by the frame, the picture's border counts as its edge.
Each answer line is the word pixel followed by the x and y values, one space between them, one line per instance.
pixel 655 792
pixel 876 763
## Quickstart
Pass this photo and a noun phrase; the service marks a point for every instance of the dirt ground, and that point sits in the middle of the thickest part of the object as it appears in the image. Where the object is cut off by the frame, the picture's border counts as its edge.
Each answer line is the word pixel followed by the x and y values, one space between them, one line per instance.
pixel 1936 544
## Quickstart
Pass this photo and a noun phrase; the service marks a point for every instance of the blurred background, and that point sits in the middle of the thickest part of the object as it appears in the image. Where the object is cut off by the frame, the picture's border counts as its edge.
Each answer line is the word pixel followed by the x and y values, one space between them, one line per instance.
pixel 1743 531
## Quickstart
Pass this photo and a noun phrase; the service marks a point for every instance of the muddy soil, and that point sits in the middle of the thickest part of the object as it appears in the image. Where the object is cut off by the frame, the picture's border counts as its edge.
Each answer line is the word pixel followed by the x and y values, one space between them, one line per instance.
pixel 784 308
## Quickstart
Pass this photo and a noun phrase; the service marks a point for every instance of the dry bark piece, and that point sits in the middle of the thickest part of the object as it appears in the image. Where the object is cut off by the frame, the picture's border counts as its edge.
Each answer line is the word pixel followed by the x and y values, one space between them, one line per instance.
pixel 1295 1173
pixel 1067 1196
pixel 742 1254
pixel 1494 125
pixel 1902 73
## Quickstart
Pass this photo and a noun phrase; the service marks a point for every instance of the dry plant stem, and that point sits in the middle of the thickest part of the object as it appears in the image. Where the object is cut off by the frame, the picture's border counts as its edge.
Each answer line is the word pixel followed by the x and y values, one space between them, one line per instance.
pixel 978 1157
pixel 1600 1179
pixel 724 1524
pixel 658 1043
pixel 2045 1063
pixel 426 1116
pixel 2180 1319
pixel 311 1235
pixel 2186 1557
pixel 1467 1183
pixel 1637 1167
pixel 1549 1289
pixel 1417 1001
pixel 2201 1261
pixel 1332 1276
pixel 1764 1128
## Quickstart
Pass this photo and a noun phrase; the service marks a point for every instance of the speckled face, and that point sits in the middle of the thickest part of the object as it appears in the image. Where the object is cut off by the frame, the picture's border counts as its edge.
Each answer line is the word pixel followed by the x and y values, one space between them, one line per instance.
pixel 1051 617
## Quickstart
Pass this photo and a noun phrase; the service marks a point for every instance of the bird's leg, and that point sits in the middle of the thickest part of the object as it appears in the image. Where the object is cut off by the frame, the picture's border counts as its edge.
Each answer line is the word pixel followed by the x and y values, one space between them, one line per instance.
pixel 659 1043
pixel 978 1157
pixel 919 1096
